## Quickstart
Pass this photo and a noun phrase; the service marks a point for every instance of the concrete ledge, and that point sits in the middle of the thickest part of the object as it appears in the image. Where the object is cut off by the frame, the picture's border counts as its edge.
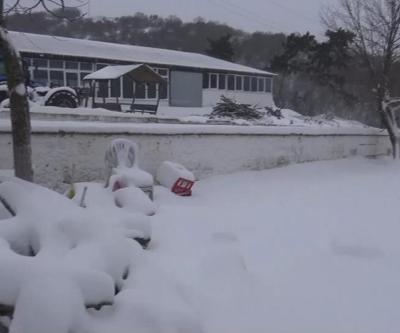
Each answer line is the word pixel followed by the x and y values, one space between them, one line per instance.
pixel 65 152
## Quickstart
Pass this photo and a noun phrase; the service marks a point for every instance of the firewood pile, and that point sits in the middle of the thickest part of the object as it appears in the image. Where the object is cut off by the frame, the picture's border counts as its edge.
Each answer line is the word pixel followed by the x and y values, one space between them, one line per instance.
pixel 228 108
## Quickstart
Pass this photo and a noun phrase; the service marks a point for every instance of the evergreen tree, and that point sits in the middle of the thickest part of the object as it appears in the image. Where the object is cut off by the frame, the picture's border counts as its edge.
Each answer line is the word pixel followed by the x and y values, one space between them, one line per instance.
pixel 221 48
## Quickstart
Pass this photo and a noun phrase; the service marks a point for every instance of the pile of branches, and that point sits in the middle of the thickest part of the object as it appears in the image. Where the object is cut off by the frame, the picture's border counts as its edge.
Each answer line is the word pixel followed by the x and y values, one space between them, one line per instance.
pixel 231 109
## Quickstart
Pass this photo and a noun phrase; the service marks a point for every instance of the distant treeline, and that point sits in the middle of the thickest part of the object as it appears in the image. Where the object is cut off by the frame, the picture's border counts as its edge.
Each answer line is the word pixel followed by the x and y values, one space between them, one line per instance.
pixel 256 49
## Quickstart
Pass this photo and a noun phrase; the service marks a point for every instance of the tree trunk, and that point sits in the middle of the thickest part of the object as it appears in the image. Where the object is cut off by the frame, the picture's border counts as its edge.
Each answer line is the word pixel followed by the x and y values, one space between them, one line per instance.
pixel 20 117
pixel 389 121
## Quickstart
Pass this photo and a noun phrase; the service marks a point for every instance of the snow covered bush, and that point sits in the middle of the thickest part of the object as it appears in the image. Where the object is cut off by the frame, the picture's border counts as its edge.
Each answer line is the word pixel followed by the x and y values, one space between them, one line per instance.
pixel 228 108
pixel 63 266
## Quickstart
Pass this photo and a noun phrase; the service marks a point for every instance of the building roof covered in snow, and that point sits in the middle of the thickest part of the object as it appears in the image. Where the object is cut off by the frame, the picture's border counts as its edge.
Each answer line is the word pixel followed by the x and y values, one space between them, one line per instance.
pixel 83 48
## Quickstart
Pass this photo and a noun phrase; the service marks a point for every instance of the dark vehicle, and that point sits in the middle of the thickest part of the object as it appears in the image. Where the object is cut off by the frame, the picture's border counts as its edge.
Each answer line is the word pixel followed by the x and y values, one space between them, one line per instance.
pixel 49 96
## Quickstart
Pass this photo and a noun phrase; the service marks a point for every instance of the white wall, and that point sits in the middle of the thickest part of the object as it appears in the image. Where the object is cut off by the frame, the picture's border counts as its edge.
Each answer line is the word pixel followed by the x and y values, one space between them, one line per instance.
pixel 212 96
pixel 214 152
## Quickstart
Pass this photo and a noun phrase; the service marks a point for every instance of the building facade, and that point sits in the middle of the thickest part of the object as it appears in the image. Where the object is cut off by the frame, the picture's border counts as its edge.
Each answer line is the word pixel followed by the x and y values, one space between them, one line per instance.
pixel 191 80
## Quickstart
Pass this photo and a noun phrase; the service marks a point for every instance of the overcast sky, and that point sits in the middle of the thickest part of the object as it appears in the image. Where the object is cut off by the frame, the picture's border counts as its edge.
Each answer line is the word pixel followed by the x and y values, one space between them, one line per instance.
pixel 250 15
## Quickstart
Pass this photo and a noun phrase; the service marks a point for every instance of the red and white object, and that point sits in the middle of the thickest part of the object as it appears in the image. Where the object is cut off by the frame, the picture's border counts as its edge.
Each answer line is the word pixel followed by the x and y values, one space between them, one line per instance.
pixel 176 177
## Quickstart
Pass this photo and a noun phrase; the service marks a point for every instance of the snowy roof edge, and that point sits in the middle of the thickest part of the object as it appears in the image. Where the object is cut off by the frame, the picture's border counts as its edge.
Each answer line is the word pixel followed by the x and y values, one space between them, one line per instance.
pixel 84 48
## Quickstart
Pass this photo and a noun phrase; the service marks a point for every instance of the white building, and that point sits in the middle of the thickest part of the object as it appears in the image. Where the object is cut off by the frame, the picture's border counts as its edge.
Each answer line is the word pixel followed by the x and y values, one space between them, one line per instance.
pixel 193 79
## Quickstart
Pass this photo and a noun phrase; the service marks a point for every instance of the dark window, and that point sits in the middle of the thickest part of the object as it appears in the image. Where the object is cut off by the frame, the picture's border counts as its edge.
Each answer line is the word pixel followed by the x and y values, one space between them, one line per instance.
pixel 163 90
pixel 205 80
pixel 56 64
pixel 2 67
pixel 213 81
pixel 163 72
pixel 261 81
pixel 246 83
pixel 86 66
pixel 253 84
pixel 56 78
pixel 103 88
pixel 84 83
pixel 140 90
pixel 100 66
pixel 231 82
pixel 72 79
pixel 71 65
pixel 27 61
pixel 115 88
pixel 239 83
pixel 40 76
pixel 222 81
pixel 40 62
pixel 268 84
pixel 151 90
pixel 128 87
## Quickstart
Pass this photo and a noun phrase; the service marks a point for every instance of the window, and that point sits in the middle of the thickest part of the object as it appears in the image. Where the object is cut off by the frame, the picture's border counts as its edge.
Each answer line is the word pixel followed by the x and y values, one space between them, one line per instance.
pixel 222 81
pixel 41 77
pixel 261 81
pixel 27 61
pixel 71 65
pixel 103 88
pixel 213 81
pixel 100 66
pixel 72 79
pixel 40 62
pixel 239 83
pixel 254 84
pixel 56 78
pixel 162 72
pixel 56 64
pixel 2 67
pixel 246 83
pixel 206 80
pixel 163 90
pixel 151 90
pixel 268 84
pixel 115 88
pixel 128 87
pixel 231 82
pixel 86 66
pixel 140 91
pixel 83 82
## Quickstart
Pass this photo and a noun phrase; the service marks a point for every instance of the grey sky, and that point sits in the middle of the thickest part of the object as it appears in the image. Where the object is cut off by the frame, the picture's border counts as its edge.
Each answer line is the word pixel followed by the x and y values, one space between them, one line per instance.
pixel 250 15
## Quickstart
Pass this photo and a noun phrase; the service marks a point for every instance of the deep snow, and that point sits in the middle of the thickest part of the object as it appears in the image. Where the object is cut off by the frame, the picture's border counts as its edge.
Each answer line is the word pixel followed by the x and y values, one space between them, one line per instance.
pixel 305 248
pixel 299 249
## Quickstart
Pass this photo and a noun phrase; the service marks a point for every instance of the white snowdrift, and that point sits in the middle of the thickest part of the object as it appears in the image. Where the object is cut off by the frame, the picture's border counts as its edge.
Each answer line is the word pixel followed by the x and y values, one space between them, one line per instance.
pixel 58 260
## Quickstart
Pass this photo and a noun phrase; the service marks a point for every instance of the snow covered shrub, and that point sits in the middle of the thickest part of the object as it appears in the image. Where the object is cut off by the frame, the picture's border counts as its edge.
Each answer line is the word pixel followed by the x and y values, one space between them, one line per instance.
pixel 56 259
pixel 274 112
pixel 228 108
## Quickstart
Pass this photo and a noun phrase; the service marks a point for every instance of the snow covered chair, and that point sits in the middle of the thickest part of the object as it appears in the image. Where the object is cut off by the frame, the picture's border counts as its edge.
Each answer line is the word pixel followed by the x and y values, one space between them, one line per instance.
pixel 176 177
pixel 122 168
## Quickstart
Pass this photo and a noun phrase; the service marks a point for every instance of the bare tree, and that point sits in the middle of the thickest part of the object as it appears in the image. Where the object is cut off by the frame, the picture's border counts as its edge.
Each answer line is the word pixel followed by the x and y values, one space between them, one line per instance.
pixel 19 104
pixel 376 25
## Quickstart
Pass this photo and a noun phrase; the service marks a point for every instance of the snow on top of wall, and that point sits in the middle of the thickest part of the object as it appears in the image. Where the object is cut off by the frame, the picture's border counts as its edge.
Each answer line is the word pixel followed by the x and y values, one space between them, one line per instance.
pixel 45 44
pixel 95 127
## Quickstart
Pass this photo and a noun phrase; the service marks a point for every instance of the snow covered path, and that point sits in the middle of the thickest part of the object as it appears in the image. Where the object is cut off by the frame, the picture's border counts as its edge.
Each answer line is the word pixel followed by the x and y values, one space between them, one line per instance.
pixel 305 248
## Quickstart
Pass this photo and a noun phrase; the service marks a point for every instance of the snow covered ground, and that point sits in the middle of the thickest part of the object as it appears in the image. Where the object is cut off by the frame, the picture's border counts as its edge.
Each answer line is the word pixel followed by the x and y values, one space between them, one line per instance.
pixel 304 248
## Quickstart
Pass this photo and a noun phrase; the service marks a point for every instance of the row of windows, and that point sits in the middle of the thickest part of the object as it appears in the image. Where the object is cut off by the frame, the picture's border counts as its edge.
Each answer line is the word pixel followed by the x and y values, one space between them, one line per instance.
pixel 237 82
pixel 130 89
pixel 55 73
